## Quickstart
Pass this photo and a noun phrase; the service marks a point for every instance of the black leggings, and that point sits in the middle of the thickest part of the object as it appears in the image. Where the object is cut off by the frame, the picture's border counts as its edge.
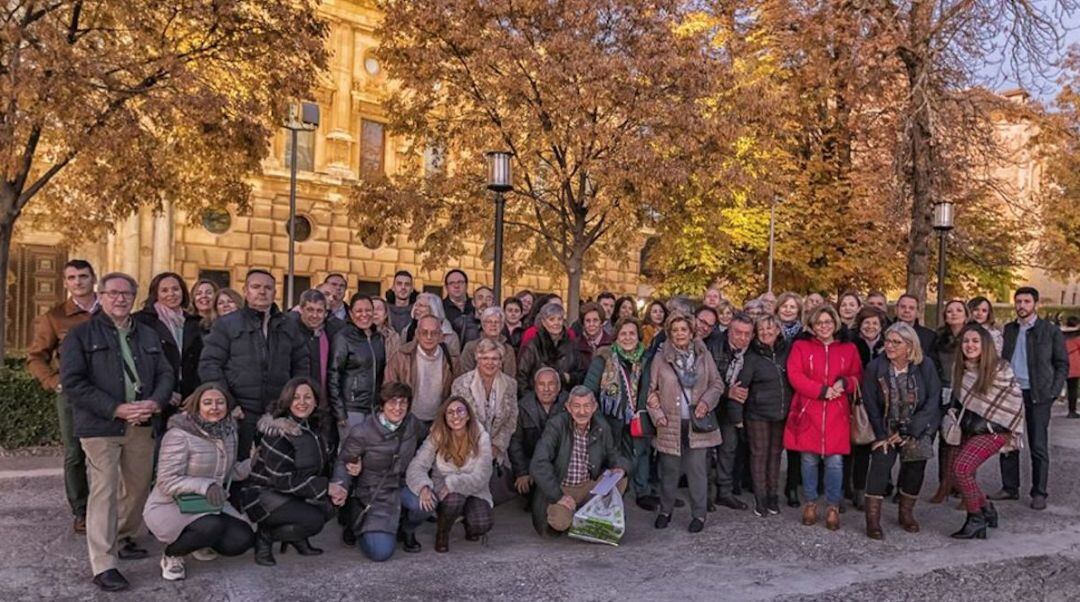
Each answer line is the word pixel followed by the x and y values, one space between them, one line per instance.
pixel 294 520
pixel 1072 391
pixel 911 474
pixel 227 535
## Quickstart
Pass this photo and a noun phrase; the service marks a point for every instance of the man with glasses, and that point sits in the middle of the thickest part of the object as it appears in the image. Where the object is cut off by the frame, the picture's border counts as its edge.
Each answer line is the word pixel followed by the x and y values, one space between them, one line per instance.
pixel 459 308
pixel 426 365
pixel 573 452
pixel 49 331
pixel 117 379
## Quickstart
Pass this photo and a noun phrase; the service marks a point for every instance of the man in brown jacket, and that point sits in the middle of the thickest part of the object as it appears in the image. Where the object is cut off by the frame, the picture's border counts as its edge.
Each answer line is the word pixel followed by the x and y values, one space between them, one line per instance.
pixel 42 359
pixel 426 365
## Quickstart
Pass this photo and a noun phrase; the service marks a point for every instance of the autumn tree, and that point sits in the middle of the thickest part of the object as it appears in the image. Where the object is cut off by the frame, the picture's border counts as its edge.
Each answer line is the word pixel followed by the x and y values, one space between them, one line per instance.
pixel 597 101
pixel 108 105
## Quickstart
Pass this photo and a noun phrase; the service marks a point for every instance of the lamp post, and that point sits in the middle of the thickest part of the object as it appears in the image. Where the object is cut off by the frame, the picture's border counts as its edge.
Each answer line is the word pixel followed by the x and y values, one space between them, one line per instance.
pixel 303 117
pixel 943 222
pixel 500 181
pixel 772 237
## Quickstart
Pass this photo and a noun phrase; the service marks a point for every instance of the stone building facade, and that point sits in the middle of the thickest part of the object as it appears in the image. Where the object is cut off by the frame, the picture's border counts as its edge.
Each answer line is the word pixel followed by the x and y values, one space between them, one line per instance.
pixel 351 142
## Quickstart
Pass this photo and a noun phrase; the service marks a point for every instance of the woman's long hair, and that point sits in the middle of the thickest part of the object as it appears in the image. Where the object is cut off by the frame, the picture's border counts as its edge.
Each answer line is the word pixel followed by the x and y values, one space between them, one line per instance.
pixel 207 321
pixel 284 402
pixel 986 367
pixel 152 293
pixel 452 447
pixel 946 341
pixel 614 317
pixel 647 318
pixel 191 402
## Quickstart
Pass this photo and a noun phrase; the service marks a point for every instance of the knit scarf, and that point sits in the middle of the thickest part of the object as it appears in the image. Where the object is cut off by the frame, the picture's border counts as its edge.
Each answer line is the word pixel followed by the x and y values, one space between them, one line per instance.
pixel 685 366
pixel 173 319
pixel 619 364
pixel 1002 404
pixel 790 329
pixel 219 429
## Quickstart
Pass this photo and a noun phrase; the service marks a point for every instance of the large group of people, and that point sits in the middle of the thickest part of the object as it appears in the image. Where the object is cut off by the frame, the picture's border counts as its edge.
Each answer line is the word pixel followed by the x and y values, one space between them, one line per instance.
pixel 224 424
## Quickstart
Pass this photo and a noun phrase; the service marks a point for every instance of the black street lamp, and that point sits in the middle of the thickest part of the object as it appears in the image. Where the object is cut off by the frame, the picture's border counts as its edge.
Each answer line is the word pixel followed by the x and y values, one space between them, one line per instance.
pixel 943 222
pixel 500 181
pixel 303 117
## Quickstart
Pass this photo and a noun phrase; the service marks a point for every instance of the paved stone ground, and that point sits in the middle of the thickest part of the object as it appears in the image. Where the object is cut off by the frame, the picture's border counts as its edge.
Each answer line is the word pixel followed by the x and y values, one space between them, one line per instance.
pixel 1033 556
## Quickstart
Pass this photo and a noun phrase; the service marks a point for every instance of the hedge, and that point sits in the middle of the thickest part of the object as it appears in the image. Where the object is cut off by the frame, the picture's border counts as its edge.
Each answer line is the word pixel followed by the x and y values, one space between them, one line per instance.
pixel 28 414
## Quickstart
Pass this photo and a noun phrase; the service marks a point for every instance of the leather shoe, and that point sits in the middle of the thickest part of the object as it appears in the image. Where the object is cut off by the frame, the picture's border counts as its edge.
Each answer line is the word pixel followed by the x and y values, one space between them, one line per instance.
pixel 662 521
pixel 130 551
pixel 648 503
pixel 1004 494
pixel 696 525
pixel 1038 503
pixel 79 525
pixel 409 543
pixel 111 581
pixel 679 503
pixel 731 502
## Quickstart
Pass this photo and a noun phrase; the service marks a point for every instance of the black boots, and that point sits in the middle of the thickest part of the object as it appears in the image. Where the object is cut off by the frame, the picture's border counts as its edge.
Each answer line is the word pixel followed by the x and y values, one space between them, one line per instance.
pixel 264 548
pixel 974 527
pixel 290 536
pixel 792 495
pixel 990 513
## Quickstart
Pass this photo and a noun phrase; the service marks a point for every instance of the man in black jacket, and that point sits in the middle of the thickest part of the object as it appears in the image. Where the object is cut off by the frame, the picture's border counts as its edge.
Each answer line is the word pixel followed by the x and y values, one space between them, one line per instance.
pixel 907 311
pixel 117 379
pixel 459 307
pixel 572 454
pixel 313 323
pixel 1036 350
pixel 535 408
pixel 728 350
pixel 254 352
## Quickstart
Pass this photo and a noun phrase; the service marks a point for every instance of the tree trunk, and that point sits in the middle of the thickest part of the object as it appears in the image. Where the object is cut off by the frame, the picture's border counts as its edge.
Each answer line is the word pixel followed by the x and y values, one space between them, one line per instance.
pixel 573 286
pixel 7 231
pixel 916 57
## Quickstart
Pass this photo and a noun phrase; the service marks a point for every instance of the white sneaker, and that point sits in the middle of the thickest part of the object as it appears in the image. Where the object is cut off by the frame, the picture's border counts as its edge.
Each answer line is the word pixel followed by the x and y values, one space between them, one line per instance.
pixel 205 554
pixel 172 568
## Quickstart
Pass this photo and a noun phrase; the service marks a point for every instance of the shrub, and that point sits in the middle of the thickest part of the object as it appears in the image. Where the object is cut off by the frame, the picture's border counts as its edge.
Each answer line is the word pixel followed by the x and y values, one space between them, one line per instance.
pixel 27 412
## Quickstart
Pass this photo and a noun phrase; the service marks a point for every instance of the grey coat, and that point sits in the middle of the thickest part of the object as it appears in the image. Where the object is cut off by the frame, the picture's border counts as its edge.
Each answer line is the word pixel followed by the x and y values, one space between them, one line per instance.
pixel 429 469
pixel 384 457
pixel 189 462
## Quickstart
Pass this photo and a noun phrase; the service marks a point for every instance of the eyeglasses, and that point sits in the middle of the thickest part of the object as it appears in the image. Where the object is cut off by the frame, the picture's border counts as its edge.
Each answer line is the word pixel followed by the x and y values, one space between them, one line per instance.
pixel 458 412
pixel 824 323
pixel 119 294
pixel 895 342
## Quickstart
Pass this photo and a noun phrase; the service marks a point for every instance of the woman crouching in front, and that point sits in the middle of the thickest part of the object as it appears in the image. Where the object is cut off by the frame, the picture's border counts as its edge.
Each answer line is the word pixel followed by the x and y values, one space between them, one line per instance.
pixel 287 491
pixel 450 473
pixel 188 510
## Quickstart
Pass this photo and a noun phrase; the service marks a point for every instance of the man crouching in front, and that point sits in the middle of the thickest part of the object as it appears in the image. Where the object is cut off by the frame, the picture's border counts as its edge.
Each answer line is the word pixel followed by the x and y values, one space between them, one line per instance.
pixel 575 449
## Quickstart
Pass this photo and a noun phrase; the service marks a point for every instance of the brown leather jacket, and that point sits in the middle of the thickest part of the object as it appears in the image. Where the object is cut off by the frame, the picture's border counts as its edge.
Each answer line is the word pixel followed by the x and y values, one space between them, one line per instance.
pixel 50 328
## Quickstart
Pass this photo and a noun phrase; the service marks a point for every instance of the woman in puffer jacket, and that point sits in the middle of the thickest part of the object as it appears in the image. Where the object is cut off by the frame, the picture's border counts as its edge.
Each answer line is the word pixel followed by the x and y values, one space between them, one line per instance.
pixel 823 372
pixel 198 460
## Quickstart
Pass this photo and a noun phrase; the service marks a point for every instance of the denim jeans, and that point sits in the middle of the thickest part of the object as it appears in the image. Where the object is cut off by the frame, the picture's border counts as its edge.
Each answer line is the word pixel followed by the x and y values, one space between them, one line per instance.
pixel 378 546
pixel 643 483
pixel 834 477
pixel 414 515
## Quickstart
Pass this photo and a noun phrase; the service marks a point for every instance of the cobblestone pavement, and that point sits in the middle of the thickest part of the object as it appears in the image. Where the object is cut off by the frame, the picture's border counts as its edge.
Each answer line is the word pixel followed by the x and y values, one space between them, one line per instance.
pixel 1033 556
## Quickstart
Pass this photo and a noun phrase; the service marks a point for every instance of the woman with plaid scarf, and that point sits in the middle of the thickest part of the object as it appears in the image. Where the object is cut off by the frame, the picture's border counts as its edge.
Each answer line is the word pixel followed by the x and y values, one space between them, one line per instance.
pixel 991 420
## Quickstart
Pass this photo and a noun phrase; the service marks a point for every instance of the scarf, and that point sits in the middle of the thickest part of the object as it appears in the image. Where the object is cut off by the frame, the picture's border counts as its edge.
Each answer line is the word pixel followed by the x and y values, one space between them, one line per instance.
pixel 215 430
pixel 1002 404
pixel 385 422
pixel 901 396
pixel 790 329
pixel 621 371
pixel 173 319
pixel 685 366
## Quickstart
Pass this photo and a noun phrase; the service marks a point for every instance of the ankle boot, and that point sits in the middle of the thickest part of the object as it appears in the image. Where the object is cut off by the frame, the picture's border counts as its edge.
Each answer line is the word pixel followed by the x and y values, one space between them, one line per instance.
pixel 907 513
pixel 832 518
pixel 792 495
pixel 809 514
pixel 264 548
pixel 442 532
pixel 990 513
pixel 873 517
pixel 974 527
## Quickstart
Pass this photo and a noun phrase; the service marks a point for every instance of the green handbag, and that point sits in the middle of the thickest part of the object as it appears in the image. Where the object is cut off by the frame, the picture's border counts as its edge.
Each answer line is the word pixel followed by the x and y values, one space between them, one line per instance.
pixel 194 503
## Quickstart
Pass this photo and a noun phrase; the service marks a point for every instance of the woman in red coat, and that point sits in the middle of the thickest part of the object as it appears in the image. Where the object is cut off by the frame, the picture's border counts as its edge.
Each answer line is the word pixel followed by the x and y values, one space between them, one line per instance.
pixel 823 373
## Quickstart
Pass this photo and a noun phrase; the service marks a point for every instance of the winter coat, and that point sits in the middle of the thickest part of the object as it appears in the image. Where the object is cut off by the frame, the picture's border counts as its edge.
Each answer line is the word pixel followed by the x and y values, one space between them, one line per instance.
pixel 764 373
pixel 551 460
pixel 399 317
pixel 817 425
pixel 468 358
pixel 464 321
pixel 331 327
pixel 865 352
pixel 289 464
pixel 430 469
pixel 926 416
pixel 498 419
pixel 401 367
pixel 384 457
pixel 530 425
pixel 613 404
pixel 586 349
pixel 185 362
pixel 514 338
pixel 946 346
pixel 254 366
pixel 664 385
pixel 1048 363
pixel 729 411
pixel 357 364
pixel 1072 348
pixel 190 461
pixel 92 373
pixel 541 351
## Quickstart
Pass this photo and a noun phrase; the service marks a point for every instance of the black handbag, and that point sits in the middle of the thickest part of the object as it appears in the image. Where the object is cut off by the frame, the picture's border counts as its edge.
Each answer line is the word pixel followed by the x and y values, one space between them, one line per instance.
pixel 706 424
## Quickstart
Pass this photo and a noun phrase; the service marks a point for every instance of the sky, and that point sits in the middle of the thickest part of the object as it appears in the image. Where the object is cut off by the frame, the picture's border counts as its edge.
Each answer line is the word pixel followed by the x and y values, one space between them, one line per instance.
pixel 998 74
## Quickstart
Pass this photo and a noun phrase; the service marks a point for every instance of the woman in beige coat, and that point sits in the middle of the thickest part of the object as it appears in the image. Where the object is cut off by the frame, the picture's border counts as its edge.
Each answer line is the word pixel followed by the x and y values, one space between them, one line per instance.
pixel 198 456
pixel 683 383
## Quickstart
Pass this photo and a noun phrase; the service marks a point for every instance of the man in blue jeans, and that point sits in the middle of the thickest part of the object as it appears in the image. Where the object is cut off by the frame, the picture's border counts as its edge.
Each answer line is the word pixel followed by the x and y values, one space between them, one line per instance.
pixel 1036 350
